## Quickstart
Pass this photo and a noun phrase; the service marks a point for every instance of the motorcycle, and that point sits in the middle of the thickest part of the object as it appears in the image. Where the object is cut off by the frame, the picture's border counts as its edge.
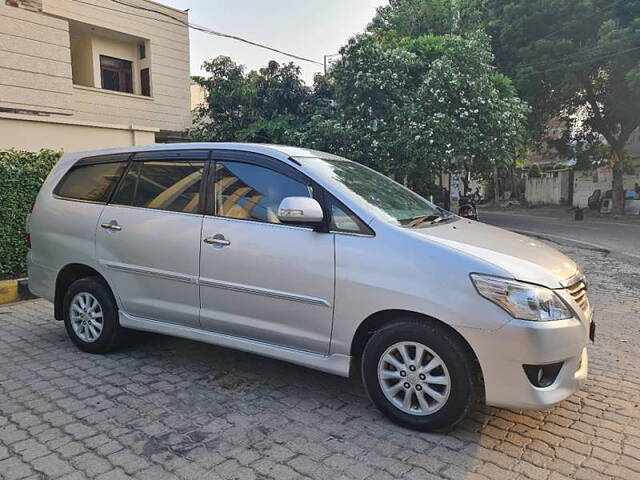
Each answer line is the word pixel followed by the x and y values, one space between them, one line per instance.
pixel 467 208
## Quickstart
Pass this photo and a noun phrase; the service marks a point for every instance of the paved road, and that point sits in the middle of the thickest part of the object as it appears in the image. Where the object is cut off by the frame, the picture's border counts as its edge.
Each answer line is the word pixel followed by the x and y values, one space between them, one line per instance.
pixel 164 408
pixel 621 238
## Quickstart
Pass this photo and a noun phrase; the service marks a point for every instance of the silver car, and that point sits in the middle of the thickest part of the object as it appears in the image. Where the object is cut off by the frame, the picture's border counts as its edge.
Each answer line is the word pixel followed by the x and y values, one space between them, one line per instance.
pixel 313 259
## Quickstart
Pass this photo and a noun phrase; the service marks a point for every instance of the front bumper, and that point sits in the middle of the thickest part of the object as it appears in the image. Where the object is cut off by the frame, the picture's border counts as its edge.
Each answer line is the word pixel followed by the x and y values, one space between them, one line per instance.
pixel 502 354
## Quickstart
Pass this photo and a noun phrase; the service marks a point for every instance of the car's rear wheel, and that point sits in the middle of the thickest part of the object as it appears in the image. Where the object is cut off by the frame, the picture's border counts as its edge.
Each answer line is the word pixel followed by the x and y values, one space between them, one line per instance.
pixel 91 315
pixel 420 375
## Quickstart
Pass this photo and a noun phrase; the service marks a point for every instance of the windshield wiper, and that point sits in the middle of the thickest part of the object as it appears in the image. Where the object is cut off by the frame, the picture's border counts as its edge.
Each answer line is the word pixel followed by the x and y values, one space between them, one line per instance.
pixel 432 219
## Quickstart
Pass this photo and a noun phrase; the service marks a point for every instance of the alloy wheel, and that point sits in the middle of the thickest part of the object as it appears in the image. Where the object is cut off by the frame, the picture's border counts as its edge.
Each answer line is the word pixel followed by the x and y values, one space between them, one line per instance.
pixel 414 378
pixel 86 317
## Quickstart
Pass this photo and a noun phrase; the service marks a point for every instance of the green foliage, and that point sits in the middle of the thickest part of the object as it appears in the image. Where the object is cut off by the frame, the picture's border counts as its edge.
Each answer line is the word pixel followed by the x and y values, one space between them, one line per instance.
pixel 408 104
pixel 410 107
pixel 414 18
pixel 468 111
pixel 535 171
pixel 574 60
pixel 570 56
pixel 257 106
pixel 21 175
pixel 268 130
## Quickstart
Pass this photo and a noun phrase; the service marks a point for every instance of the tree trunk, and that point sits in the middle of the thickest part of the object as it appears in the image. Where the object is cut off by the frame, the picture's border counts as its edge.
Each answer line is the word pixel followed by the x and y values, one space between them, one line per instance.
pixel 496 187
pixel 465 183
pixel 617 188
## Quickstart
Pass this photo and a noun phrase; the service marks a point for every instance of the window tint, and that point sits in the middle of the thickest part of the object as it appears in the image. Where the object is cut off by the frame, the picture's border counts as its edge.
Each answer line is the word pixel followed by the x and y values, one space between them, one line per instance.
pixel 251 192
pixel 171 185
pixel 91 182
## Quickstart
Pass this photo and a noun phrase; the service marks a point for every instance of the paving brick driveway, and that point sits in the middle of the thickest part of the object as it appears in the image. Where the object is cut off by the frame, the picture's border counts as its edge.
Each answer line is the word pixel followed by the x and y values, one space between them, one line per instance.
pixel 169 408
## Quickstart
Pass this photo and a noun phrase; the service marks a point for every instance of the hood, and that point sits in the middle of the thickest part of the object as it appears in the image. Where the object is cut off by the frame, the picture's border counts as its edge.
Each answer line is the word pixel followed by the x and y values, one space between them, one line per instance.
pixel 527 259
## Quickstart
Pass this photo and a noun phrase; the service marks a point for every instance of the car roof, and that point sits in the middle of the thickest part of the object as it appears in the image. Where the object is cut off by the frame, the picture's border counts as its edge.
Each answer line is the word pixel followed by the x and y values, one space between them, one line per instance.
pixel 265 149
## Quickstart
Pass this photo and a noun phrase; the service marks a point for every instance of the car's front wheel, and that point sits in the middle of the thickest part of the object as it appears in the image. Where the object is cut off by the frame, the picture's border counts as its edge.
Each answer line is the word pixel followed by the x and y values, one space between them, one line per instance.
pixel 419 374
pixel 91 315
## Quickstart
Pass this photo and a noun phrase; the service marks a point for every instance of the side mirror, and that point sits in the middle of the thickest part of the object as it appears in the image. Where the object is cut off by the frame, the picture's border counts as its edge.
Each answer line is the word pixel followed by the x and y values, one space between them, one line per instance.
pixel 300 210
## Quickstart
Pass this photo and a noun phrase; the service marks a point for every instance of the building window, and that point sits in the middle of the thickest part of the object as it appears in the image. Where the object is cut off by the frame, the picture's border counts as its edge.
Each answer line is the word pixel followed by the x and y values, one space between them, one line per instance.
pixel 142 51
pixel 145 82
pixel 116 74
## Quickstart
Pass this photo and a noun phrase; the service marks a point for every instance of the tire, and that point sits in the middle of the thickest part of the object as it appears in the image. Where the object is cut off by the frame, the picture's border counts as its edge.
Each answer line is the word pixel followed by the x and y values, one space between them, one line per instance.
pixel 388 382
pixel 94 291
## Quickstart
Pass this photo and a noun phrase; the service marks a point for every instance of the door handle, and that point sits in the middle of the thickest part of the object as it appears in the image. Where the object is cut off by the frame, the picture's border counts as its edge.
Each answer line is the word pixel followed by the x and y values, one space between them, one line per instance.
pixel 112 225
pixel 217 240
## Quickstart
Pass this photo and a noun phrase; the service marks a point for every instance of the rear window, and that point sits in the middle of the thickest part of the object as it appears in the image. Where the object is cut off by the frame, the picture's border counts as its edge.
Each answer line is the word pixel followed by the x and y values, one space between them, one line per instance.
pixel 91 182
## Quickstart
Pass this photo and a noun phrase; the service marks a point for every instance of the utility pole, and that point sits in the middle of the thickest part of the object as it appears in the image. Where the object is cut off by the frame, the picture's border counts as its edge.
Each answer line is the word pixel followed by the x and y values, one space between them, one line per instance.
pixel 454 176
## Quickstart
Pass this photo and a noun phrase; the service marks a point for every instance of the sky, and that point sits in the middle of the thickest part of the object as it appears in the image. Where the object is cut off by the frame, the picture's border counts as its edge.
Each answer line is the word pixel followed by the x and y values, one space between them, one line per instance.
pixel 308 28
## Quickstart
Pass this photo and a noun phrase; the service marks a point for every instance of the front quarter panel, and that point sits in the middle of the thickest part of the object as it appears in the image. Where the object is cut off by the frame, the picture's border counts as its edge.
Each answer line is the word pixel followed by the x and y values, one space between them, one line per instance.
pixel 398 270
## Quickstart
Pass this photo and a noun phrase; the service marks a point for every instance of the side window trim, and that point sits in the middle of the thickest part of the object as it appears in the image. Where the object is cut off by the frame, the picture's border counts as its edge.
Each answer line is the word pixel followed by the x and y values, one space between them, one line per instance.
pixel 97 159
pixel 170 155
pixel 121 179
pixel 260 160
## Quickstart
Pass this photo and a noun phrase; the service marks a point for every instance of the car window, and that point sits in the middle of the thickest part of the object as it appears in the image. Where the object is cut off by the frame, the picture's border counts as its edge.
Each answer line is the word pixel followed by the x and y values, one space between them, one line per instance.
pixel 343 220
pixel 162 185
pixel 92 182
pixel 251 192
pixel 371 191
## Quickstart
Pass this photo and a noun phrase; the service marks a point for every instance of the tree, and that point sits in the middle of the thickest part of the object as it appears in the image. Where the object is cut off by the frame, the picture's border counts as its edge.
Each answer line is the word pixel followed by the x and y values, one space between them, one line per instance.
pixel 408 107
pixel 465 109
pixel 260 106
pixel 227 108
pixel 577 60
pixel 534 171
pixel 414 18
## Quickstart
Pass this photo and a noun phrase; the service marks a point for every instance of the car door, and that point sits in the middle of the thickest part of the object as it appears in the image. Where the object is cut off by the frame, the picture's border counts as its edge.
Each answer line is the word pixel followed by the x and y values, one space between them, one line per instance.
pixel 148 236
pixel 261 279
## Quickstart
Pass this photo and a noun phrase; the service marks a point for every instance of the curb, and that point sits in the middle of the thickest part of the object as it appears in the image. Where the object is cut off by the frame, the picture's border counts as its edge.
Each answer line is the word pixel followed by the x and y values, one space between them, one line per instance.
pixel 15 290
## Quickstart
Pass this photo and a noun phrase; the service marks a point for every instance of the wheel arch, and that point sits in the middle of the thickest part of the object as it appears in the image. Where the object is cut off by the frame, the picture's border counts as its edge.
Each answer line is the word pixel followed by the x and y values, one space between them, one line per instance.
pixel 66 276
pixel 379 319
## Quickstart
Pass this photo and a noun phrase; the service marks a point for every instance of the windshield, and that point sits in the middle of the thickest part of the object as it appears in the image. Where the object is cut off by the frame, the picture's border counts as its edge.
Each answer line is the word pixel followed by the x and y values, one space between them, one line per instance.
pixel 374 192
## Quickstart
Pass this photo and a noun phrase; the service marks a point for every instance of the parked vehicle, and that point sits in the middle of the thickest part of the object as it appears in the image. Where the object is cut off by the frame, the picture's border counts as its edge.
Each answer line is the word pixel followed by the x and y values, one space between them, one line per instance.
pixel 310 258
pixel 467 208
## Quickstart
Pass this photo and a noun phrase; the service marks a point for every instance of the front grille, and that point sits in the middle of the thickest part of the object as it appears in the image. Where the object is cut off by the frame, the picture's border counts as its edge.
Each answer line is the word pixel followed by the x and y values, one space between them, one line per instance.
pixel 578 292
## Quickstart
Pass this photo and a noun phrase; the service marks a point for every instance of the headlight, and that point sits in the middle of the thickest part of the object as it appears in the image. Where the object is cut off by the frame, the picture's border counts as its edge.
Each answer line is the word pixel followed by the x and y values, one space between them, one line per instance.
pixel 522 300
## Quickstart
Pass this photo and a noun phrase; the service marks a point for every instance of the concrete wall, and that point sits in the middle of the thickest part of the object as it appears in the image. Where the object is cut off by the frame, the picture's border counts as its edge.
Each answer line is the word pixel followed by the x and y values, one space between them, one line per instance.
pixel 82 55
pixel 542 191
pixel 167 53
pixel 586 182
pixel 37 76
pixel 25 132
pixel 552 189
pixel 633 146
pixel 197 95
pixel 35 62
